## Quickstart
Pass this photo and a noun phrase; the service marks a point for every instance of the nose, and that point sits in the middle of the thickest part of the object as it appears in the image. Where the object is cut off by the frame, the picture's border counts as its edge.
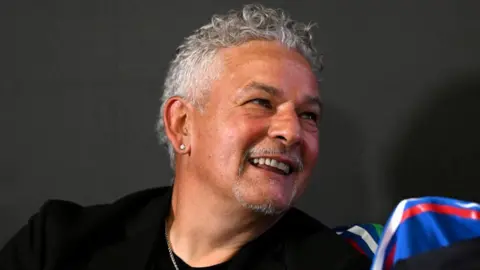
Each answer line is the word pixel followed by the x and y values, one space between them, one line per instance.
pixel 285 126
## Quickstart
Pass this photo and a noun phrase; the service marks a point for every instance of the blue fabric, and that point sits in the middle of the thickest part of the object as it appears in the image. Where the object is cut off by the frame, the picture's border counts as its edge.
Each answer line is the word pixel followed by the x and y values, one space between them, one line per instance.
pixel 423 224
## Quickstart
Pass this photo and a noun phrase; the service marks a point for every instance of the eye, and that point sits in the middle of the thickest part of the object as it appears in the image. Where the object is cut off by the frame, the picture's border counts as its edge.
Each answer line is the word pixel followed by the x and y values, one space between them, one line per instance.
pixel 262 102
pixel 310 116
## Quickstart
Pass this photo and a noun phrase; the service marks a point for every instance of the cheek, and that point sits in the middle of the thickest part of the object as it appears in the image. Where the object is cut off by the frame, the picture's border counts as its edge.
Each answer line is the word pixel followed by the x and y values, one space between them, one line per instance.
pixel 242 133
pixel 229 139
pixel 311 149
pixel 238 137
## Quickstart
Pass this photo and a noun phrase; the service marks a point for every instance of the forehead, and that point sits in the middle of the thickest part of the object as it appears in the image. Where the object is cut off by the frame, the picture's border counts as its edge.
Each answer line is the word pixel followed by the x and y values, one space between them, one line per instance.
pixel 270 63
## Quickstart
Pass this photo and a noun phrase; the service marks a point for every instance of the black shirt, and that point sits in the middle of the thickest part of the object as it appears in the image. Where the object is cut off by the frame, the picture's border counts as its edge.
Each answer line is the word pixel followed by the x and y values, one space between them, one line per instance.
pixel 128 235
pixel 161 258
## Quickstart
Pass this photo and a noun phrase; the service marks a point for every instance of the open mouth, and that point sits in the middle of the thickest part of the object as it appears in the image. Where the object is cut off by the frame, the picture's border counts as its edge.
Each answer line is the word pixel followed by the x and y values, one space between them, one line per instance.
pixel 272 165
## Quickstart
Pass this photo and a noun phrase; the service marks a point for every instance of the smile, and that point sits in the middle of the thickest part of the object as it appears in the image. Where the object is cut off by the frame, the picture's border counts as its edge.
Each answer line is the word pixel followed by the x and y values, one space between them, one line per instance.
pixel 271 163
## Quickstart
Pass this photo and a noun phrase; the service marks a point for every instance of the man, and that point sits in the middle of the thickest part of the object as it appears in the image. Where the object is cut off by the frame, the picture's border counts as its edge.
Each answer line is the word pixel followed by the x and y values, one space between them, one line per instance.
pixel 240 116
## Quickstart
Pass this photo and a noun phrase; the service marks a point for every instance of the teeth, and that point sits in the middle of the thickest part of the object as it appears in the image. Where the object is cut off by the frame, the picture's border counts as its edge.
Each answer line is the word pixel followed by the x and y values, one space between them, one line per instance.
pixel 273 163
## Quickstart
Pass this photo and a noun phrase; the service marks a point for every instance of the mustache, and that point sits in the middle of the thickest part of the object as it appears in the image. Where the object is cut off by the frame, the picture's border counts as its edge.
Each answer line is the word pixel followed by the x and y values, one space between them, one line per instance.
pixel 295 157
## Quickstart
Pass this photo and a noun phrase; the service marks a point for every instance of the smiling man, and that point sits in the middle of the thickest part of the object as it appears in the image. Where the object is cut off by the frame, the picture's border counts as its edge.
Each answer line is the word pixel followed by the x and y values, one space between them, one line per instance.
pixel 256 139
pixel 240 115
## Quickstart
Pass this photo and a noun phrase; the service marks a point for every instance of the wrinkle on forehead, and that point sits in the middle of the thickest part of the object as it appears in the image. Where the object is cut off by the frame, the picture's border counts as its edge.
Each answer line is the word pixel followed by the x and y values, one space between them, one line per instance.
pixel 262 50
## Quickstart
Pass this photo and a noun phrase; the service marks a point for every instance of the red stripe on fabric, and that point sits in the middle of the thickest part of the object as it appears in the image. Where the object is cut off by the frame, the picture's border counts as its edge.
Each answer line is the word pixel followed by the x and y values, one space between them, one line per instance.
pixel 355 245
pixel 441 209
pixel 389 261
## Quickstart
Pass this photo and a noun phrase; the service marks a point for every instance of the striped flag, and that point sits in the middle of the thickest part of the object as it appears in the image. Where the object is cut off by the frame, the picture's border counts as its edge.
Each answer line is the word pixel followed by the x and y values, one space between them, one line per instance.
pixel 424 224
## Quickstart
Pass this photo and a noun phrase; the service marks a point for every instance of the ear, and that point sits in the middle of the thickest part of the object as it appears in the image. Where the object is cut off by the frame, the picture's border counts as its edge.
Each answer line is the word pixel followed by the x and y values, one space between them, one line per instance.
pixel 176 116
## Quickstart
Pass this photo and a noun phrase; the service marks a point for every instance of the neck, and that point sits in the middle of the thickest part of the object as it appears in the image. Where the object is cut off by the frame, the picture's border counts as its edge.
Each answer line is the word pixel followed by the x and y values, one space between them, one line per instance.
pixel 205 228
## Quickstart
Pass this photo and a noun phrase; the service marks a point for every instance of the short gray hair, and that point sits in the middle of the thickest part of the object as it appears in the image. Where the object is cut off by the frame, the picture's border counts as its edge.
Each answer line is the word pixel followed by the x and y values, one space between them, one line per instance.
pixel 194 66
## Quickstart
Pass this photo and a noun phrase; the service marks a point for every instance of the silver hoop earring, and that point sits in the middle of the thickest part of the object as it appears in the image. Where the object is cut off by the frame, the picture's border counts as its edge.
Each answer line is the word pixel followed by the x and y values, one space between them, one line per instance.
pixel 182 146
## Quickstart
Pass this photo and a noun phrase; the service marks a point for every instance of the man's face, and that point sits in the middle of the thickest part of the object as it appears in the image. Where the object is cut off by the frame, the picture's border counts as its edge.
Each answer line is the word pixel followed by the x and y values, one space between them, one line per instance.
pixel 257 137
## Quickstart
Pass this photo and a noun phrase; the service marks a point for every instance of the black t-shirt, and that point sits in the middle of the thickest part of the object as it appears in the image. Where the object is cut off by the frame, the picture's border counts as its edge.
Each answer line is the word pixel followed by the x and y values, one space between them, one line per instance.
pixel 128 234
pixel 162 261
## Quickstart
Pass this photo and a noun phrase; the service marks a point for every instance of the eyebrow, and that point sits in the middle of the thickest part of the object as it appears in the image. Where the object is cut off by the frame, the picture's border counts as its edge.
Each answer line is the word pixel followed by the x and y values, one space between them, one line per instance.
pixel 311 100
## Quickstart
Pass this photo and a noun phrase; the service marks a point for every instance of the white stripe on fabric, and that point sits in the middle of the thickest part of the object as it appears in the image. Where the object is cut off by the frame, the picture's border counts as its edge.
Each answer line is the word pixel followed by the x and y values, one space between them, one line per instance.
pixel 372 245
pixel 468 205
pixel 388 233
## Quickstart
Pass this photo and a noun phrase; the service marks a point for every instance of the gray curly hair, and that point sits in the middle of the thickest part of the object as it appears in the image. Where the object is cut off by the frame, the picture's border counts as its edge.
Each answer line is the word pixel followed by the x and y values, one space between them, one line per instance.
pixel 194 65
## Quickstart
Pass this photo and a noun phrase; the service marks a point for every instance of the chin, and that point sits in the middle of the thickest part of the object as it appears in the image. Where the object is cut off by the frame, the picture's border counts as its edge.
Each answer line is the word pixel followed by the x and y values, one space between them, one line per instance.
pixel 269 201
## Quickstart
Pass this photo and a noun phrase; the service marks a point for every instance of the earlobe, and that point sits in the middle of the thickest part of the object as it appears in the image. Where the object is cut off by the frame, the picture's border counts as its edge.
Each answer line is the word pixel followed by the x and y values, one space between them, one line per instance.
pixel 175 117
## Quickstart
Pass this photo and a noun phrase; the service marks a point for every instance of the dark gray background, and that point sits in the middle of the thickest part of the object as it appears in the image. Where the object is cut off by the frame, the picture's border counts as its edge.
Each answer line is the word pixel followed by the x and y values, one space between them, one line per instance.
pixel 81 80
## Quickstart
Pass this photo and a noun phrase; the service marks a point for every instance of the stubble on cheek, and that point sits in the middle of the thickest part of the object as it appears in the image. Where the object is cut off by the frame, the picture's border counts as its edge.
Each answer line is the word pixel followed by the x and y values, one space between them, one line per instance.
pixel 243 163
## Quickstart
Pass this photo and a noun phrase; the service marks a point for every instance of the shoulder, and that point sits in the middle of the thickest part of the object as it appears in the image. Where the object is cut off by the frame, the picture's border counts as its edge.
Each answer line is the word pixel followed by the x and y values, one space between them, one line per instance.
pixel 299 224
pixel 57 216
pixel 311 241
pixel 60 225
